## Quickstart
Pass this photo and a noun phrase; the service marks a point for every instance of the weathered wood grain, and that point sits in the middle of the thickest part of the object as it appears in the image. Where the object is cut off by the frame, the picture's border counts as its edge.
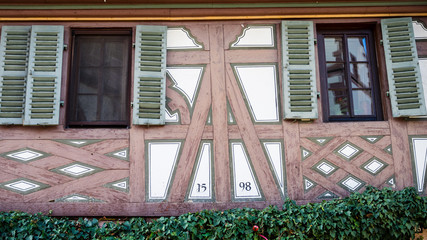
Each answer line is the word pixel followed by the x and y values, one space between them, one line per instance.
pixel 137 165
pixel 250 138
pixel 107 195
pixel 401 154
pixel 344 129
pixel 219 114
pixel 293 163
pixel 107 146
pixel 192 141
pixel 76 186
pixel 27 171
pixel 58 132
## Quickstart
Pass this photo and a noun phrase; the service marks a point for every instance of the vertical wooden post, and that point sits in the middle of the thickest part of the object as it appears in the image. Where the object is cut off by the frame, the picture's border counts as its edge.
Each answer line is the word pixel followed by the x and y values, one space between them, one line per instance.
pixel 219 114
pixel 401 153
pixel 293 160
pixel 137 164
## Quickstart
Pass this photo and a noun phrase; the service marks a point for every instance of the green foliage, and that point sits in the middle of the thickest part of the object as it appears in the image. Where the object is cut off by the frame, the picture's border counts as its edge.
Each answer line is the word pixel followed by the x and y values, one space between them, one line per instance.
pixel 374 214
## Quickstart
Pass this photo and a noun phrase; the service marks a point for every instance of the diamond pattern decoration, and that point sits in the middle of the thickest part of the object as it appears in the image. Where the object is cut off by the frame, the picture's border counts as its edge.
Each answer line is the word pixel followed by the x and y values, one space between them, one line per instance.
pixel 308 184
pixel 77 170
pixel 321 141
pixel 23 186
pixel 120 185
pixel 327 195
pixel 77 198
pixel 25 155
pixel 388 149
pixel 391 181
pixel 305 153
pixel 78 142
pixel 122 154
pixel 374 166
pixel 351 183
pixel 325 168
pixel 348 151
pixel 372 139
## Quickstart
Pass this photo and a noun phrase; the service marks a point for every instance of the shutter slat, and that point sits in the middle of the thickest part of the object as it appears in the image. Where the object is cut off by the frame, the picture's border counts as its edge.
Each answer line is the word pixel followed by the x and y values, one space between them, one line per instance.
pixel 150 75
pixel 15 42
pixel 299 79
pixel 406 92
pixel 44 76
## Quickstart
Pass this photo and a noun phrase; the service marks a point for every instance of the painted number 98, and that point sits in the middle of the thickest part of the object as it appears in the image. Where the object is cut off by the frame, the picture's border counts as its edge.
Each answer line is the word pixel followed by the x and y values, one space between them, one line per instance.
pixel 245 186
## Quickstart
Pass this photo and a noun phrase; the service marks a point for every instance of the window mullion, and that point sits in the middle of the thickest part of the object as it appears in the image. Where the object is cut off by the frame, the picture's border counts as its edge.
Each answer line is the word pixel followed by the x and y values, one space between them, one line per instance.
pixel 348 76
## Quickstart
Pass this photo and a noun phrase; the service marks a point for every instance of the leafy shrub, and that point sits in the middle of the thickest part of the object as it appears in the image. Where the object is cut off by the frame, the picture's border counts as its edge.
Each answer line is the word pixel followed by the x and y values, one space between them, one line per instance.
pixel 374 214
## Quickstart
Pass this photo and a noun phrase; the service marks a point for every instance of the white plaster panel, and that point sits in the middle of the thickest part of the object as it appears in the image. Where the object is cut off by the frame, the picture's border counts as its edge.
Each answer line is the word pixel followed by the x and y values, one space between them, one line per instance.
pixel 244 184
pixel 162 158
pixel 260 88
pixel 202 187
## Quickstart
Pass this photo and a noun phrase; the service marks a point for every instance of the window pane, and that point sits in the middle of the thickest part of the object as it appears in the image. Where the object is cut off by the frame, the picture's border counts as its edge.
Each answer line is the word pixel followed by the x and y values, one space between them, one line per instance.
pixel 338 102
pixel 90 52
pixel 362 102
pixel 86 108
pixel 88 80
pixel 333 49
pixel 357 49
pixel 100 88
pixel 115 53
pixel 113 84
pixel 360 75
pixel 336 75
pixel 112 109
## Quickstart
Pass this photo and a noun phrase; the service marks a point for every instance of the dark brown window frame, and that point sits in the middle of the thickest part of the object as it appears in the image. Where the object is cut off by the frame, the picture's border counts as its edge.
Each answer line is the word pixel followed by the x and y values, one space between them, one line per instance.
pixel 349 30
pixel 72 89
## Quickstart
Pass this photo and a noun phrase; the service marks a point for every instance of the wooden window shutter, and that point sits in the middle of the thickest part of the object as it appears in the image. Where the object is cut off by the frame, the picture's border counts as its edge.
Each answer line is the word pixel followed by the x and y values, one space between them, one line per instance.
pixel 299 73
pixel 15 42
pixel 403 72
pixel 42 100
pixel 149 96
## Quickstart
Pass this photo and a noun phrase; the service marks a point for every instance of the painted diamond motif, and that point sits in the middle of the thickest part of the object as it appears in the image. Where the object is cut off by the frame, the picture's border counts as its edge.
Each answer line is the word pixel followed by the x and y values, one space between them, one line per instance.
pixel 327 195
pixel 351 183
pixel 308 184
pixel 122 154
pixel 25 155
pixel 122 185
pixel 77 198
pixel 348 151
pixel 325 168
pixel 23 186
pixel 77 170
pixel 374 166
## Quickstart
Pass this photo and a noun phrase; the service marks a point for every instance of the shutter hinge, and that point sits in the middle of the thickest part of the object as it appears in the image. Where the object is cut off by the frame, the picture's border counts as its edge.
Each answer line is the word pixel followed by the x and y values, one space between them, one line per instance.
pixel 318 94
pixel 61 103
pixel 65 47
pixel 315 41
pixel 133 45
pixel 382 42
pixel 131 104
pixel 387 94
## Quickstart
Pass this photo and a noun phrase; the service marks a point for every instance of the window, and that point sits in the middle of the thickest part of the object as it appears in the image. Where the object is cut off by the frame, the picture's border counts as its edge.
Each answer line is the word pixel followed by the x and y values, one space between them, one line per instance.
pixel 100 78
pixel 348 75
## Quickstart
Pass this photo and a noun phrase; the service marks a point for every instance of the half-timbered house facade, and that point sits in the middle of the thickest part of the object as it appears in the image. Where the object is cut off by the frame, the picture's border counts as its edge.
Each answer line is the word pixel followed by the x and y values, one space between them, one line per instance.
pixel 134 108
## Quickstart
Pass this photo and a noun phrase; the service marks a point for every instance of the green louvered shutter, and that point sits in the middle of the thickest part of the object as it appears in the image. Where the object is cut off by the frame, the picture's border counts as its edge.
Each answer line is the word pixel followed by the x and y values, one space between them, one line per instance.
pixel 15 42
pixel 299 73
pixel 403 72
pixel 44 76
pixel 150 75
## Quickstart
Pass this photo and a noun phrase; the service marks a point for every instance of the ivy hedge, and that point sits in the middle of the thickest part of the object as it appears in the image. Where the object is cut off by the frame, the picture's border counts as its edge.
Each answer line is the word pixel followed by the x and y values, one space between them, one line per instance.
pixel 374 214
